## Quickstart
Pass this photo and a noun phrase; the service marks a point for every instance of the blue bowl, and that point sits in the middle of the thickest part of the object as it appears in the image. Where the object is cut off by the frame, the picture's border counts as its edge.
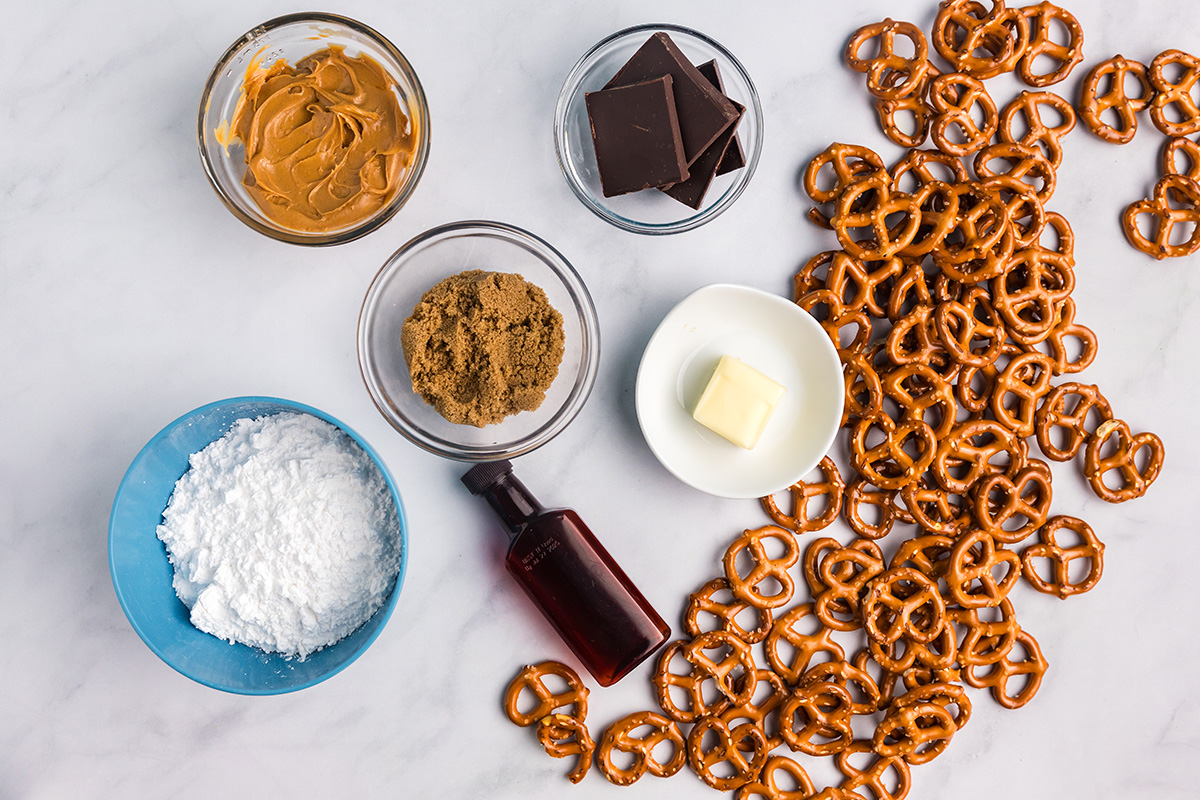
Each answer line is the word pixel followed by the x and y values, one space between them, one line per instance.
pixel 141 572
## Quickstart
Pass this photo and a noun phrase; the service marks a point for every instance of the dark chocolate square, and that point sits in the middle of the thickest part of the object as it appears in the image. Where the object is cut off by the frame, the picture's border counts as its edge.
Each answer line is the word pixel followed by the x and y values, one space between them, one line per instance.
pixel 705 168
pixel 703 111
pixel 636 134
pixel 735 157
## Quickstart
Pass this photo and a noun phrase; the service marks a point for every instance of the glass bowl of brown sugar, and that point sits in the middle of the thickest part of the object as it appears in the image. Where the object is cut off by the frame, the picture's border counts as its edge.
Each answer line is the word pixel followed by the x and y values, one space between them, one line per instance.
pixel 313 129
pixel 452 253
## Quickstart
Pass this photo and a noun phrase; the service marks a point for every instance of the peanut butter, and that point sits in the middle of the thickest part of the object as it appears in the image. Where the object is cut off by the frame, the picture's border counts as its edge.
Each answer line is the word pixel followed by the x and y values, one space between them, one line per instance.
pixel 327 143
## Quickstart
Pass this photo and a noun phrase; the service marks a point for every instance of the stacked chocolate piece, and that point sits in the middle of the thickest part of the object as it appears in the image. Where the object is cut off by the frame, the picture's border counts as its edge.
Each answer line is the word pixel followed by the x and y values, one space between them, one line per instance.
pixel 663 123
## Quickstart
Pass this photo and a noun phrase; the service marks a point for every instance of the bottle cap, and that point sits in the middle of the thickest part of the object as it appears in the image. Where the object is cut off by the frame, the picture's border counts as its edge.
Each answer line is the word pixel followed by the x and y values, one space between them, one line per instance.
pixel 481 476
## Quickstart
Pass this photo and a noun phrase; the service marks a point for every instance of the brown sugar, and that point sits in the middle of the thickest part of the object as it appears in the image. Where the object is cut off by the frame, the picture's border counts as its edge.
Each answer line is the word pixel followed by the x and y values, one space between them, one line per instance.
pixel 482 346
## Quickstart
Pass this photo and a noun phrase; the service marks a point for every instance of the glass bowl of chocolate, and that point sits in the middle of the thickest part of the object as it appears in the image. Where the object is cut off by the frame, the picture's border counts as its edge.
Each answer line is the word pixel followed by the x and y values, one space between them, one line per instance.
pixel 478 341
pixel 313 129
pixel 658 129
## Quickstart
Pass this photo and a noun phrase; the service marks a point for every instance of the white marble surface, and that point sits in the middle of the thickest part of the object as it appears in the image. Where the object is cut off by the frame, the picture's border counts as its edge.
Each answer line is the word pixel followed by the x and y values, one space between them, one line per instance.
pixel 129 295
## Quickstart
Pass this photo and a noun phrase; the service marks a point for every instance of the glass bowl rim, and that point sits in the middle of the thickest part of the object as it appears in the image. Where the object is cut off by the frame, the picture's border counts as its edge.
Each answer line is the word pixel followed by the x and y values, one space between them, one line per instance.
pixel 574 78
pixel 584 380
pixel 418 106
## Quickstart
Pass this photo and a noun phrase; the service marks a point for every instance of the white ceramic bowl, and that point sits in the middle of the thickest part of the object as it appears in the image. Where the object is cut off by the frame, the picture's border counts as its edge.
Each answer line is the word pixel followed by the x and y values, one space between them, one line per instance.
pixel 767 332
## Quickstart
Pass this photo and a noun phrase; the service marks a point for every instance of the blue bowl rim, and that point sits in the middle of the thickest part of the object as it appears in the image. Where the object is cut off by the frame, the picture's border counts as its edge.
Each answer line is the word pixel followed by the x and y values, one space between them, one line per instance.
pixel 386 609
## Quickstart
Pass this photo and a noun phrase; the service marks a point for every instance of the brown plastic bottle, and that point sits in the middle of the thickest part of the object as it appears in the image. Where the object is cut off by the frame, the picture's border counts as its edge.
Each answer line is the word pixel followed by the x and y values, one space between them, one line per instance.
pixel 569 575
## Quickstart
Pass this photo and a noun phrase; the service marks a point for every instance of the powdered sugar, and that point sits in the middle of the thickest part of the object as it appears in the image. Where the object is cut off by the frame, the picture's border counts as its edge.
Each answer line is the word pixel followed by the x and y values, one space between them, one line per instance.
pixel 283 535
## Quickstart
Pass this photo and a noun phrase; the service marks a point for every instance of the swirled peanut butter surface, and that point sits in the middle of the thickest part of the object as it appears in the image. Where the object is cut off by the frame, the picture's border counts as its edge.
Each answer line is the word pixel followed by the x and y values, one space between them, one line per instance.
pixel 327 143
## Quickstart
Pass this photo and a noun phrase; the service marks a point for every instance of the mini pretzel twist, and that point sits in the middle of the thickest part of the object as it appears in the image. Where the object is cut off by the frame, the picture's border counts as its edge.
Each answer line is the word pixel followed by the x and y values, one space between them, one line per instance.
pixel 1027 295
pixel 971 331
pixel 730 748
pixel 831 487
pixel 861 493
pixel 865 206
pixel 1094 104
pixel 1064 412
pixel 889 76
pixel 969 572
pixel 861 285
pixel 985 642
pixel 1122 460
pixel 902 602
pixel 562 736
pixel 921 165
pixel 767 784
pixel 971 451
pixel 1177 94
pixel 998 675
pixel 816 711
pixel 1019 389
pixel 1181 145
pixel 1056 342
pixel 935 509
pixel 1064 56
pixel 864 391
pixel 1001 500
pixel 888 464
pixel 918 732
pixel 1026 161
pixel 764 569
pixel 964 28
pixel 735 675
pixel 845 573
pixel 804 645
pixel 1060 585
pixel 888 778
pixel 726 614
pixel 531 678
pixel 943 694
pixel 954 97
pixel 761 713
pixel 1175 201
pixel 621 737
pixel 1028 107
pixel 848 162
pixel 689 686
pixel 857 682
pixel 837 317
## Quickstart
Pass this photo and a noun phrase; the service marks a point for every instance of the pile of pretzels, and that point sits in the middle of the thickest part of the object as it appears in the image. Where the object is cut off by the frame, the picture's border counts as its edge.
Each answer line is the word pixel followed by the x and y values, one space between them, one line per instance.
pixel 949 303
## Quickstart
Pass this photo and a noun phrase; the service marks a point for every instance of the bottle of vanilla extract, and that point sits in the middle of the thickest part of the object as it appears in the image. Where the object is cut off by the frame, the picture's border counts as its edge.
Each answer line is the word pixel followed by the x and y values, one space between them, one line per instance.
pixel 569 575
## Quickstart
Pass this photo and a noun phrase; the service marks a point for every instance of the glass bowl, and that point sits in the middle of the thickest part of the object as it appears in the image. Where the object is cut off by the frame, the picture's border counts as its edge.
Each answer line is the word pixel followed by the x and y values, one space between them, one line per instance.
pixel 293 37
pixel 425 261
pixel 650 212
pixel 142 573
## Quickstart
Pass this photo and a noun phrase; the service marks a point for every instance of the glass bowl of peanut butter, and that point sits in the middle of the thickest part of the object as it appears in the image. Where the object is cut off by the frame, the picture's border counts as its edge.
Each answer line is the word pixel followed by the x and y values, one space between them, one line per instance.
pixel 313 129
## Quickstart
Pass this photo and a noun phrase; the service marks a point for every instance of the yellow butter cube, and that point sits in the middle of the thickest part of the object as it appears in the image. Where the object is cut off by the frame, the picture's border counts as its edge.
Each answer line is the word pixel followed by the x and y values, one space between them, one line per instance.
pixel 738 402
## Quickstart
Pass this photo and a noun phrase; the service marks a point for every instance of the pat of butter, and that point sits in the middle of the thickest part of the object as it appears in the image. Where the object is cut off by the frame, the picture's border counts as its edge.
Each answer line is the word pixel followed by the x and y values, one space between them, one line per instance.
pixel 738 402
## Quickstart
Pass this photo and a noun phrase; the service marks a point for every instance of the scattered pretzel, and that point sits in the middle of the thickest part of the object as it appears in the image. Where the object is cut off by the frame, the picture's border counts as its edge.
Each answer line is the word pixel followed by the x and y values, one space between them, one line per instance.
pixel 531 678
pixel 1174 202
pixel 765 569
pixel 1060 585
pixel 621 737
pixel 1028 108
pixel 799 520
pixel 1135 480
pixel 1064 56
pixel 1172 94
pixel 1094 104
pixel 555 732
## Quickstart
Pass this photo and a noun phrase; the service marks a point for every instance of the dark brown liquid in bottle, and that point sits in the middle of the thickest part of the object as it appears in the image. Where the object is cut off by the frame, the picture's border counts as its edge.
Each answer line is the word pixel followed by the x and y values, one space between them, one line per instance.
pixel 592 604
